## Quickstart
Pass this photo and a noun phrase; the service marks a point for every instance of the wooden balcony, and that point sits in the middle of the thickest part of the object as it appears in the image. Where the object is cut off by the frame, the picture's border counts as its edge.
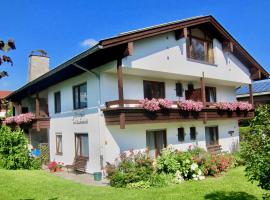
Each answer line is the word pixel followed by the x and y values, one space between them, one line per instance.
pixel 132 113
pixel 40 123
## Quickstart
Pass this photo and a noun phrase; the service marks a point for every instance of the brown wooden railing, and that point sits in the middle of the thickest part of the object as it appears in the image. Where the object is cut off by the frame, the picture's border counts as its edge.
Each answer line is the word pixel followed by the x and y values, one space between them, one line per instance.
pixel 136 103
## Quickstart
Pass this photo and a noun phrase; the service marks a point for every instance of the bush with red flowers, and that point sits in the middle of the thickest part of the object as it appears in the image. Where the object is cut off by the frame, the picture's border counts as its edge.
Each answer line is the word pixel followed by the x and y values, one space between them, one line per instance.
pixel 55 166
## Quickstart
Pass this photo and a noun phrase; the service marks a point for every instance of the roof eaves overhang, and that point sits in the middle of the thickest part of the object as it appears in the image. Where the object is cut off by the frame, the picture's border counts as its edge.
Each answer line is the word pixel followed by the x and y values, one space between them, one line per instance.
pixel 56 70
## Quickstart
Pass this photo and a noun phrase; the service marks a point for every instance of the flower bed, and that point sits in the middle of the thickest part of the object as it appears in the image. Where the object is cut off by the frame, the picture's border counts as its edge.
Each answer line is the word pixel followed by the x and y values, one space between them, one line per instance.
pixel 138 170
pixel 19 119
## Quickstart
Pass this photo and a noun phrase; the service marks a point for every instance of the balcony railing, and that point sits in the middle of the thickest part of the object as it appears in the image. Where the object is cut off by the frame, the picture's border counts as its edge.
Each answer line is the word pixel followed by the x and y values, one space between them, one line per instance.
pixel 131 112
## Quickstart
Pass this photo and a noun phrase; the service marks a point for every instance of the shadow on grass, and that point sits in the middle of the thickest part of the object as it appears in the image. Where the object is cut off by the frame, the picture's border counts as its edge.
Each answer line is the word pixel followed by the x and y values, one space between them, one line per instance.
pixel 222 195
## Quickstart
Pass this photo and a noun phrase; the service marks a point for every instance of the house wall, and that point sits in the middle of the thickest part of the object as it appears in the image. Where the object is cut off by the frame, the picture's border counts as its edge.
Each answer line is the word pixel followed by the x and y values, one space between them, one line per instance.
pixel 133 88
pixel 119 140
pixel 164 53
pixel 70 121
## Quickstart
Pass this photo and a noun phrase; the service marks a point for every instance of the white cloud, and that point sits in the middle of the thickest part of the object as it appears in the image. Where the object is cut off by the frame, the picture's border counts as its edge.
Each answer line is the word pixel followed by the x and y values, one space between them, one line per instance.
pixel 88 42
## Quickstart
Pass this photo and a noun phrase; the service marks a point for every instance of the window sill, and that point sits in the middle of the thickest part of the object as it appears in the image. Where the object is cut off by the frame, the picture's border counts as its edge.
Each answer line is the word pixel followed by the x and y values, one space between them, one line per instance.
pixel 202 62
pixel 79 109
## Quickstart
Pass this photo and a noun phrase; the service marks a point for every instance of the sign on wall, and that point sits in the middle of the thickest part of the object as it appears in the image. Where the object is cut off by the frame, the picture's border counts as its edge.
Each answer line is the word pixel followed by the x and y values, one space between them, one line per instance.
pixel 79 118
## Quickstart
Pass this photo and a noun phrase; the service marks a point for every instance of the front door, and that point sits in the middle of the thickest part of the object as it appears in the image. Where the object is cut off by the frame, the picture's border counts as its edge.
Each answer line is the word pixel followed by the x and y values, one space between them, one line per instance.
pixel 211 135
pixel 155 141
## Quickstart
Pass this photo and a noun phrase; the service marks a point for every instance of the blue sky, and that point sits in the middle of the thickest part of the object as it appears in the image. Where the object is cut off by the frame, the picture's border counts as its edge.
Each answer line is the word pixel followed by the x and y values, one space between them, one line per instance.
pixel 64 28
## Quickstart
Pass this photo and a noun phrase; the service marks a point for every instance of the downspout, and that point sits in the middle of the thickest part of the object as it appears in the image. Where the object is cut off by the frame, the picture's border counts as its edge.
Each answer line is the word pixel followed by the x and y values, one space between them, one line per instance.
pixel 99 113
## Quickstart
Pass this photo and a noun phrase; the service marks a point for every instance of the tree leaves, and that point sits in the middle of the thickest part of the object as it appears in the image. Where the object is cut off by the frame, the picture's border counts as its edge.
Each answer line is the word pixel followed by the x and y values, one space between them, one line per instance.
pixel 9 45
pixel 3 74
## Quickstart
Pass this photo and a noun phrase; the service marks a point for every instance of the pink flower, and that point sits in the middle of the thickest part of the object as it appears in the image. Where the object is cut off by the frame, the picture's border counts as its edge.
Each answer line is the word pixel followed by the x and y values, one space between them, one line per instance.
pixel 165 103
pixel 190 105
pixel 232 106
pixel 150 105
pixel 244 106
pixel 20 119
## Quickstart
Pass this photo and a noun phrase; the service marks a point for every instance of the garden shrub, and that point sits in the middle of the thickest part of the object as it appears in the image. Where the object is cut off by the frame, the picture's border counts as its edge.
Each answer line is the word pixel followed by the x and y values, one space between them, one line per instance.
pixel 256 148
pixel 14 153
pixel 131 169
pixel 172 162
pixel 172 166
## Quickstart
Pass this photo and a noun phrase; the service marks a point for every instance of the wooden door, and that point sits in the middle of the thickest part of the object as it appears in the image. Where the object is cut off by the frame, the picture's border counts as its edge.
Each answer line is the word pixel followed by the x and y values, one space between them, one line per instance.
pixel 211 136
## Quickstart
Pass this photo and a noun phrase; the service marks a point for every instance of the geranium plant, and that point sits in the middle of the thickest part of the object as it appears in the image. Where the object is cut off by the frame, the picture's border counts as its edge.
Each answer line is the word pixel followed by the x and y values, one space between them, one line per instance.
pixel 165 103
pixel 155 104
pixel 55 166
pixel 233 106
pixel 150 105
pixel 190 105
pixel 20 119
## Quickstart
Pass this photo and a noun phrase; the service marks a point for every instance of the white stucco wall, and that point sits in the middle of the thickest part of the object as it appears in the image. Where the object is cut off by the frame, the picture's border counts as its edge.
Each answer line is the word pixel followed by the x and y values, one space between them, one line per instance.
pixel 133 137
pixel 64 122
pixel 133 88
pixel 165 54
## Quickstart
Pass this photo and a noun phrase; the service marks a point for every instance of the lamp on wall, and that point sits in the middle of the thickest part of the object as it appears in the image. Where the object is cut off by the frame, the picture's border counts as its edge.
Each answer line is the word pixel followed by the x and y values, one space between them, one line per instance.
pixel 231 132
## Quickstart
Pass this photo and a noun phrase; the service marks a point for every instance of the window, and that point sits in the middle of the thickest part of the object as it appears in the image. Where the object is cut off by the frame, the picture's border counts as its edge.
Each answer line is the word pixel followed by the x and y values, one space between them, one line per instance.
pixel 80 96
pixel 59 144
pixel 179 89
pixel 81 145
pixel 210 93
pixel 181 134
pixel 192 133
pixel 190 87
pixel 57 102
pixel 25 110
pixel 200 46
pixel 153 89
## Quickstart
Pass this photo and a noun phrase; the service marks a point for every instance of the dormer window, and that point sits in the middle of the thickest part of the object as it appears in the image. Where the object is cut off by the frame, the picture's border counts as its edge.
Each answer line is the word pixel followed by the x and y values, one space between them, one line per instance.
pixel 200 46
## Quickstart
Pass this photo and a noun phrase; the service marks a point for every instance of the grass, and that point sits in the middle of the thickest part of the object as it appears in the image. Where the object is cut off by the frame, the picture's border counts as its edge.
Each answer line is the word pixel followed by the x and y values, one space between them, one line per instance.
pixel 24 184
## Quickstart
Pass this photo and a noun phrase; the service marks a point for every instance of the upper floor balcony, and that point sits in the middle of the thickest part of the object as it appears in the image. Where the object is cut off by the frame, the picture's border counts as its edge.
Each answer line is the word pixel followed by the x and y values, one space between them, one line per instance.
pixel 31 112
pixel 132 111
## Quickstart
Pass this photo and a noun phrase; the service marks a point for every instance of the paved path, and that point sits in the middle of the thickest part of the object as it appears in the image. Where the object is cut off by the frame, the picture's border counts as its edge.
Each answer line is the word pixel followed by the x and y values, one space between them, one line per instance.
pixel 86 179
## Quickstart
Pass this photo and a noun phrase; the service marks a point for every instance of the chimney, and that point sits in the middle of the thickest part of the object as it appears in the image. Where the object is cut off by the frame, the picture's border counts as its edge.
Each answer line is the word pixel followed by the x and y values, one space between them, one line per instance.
pixel 38 64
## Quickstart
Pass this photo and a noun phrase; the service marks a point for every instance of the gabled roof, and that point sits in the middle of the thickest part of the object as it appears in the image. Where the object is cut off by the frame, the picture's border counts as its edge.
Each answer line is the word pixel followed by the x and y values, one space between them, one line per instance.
pixel 4 93
pixel 262 86
pixel 115 47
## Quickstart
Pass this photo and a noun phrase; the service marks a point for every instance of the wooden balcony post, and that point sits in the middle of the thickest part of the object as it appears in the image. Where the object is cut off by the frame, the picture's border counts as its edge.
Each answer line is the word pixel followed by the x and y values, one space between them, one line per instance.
pixel 203 90
pixel 120 92
pixel 37 105
pixel 251 101
pixel 203 97
pixel 120 82
pixel 18 108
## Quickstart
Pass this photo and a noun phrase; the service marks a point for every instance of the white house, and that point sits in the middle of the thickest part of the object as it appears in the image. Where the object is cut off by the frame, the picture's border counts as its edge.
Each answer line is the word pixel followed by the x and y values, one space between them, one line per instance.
pixel 93 98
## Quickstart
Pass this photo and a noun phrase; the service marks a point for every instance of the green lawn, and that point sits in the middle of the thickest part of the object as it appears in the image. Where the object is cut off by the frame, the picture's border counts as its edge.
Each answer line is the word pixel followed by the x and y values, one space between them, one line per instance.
pixel 41 185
